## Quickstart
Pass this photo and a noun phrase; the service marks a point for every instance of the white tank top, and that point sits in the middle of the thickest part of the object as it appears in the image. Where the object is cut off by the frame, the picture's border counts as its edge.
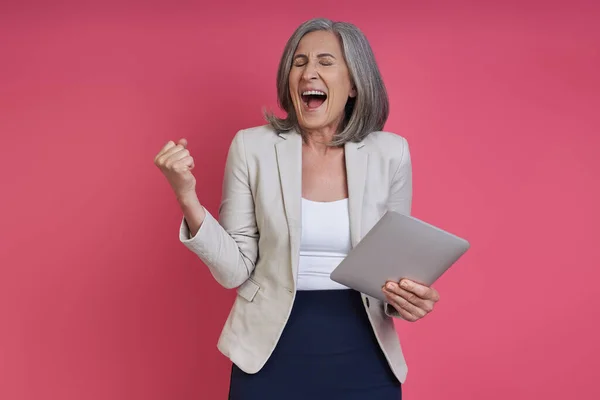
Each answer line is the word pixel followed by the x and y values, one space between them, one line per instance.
pixel 324 244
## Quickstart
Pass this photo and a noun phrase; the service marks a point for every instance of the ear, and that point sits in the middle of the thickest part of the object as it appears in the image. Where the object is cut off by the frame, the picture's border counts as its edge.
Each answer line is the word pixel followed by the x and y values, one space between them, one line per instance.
pixel 352 93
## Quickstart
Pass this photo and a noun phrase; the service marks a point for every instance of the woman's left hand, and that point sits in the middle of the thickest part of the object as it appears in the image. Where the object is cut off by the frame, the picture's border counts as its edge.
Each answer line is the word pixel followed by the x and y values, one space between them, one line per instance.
pixel 412 300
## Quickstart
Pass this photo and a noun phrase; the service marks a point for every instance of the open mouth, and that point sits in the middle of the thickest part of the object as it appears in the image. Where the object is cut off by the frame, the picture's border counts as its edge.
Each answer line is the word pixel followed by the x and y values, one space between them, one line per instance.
pixel 313 99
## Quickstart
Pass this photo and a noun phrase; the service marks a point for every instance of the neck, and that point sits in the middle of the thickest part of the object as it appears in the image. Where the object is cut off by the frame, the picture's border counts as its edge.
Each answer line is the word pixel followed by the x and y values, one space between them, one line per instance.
pixel 319 140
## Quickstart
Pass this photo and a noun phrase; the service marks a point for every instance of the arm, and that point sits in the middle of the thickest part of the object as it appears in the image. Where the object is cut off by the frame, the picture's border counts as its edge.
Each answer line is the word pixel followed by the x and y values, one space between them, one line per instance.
pixel 229 248
pixel 400 199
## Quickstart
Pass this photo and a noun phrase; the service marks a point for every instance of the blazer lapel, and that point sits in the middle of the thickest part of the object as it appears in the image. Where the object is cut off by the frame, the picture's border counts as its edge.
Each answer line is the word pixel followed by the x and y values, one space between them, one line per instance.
pixel 356 174
pixel 289 162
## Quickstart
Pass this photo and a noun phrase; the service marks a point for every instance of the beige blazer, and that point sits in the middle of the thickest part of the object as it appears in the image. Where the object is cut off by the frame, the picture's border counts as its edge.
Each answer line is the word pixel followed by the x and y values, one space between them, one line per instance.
pixel 255 245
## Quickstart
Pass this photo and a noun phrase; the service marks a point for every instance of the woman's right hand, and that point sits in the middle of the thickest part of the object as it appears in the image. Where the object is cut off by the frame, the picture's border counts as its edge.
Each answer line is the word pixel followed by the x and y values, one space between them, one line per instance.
pixel 176 163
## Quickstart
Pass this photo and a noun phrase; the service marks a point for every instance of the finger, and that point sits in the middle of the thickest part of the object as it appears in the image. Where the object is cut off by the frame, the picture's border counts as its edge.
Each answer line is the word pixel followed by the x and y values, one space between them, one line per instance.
pixel 184 164
pixel 422 291
pixel 175 157
pixel 183 142
pixel 423 304
pixel 174 149
pixel 162 151
pixel 166 151
pixel 394 288
pixel 167 146
pixel 172 154
pixel 403 303
pixel 407 315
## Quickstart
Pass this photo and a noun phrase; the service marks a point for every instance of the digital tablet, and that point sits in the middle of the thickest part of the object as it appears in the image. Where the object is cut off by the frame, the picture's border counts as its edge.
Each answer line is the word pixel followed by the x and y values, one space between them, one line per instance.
pixel 399 246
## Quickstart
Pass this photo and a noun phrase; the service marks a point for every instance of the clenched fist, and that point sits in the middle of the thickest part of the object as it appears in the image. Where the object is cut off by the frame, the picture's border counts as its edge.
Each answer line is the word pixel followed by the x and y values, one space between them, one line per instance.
pixel 176 163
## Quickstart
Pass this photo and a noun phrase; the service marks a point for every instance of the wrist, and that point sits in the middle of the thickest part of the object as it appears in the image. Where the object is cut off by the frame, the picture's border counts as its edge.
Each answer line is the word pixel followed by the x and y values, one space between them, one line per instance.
pixel 187 199
pixel 193 211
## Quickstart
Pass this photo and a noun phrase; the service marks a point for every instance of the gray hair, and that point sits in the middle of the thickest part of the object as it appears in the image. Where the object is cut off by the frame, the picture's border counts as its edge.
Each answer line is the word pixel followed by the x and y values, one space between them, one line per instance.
pixel 367 112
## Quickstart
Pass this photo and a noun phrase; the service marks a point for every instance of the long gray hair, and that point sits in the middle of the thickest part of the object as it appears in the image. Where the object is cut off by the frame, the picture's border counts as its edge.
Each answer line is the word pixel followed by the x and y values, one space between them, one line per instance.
pixel 367 112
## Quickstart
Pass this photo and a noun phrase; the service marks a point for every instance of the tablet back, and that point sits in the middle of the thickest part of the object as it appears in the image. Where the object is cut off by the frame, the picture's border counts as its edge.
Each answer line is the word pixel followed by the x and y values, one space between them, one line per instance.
pixel 399 246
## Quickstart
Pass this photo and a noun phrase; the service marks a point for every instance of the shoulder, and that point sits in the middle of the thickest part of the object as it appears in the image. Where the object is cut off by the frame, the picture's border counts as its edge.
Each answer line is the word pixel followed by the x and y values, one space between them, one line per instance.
pixel 256 136
pixel 387 144
pixel 252 141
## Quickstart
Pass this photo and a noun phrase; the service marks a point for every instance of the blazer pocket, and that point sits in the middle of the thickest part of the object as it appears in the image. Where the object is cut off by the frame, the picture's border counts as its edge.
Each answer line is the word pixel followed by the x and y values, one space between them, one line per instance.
pixel 248 289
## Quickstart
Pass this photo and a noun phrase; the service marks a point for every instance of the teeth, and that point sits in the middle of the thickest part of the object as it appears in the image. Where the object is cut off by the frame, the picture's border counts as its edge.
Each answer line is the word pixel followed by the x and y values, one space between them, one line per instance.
pixel 313 92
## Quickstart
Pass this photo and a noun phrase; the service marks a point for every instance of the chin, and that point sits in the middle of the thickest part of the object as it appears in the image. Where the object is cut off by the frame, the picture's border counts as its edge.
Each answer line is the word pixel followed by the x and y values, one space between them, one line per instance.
pixel 314 122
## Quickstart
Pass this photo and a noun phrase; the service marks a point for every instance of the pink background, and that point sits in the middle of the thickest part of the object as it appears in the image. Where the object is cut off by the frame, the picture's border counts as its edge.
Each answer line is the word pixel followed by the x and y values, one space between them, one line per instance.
pixel 98 300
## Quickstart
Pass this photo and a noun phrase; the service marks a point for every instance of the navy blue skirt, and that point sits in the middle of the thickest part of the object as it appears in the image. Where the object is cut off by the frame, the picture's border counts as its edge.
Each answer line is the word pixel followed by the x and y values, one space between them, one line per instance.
pixel 327 351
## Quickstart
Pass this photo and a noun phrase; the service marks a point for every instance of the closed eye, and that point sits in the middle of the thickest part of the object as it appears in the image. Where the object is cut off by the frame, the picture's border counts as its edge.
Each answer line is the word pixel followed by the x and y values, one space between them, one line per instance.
pixel 300 60
pixel 325 59
pixel 325 63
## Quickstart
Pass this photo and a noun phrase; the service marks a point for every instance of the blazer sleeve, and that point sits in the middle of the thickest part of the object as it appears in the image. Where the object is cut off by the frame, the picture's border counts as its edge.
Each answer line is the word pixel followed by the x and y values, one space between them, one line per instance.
pixel 229 247
pixel 400 198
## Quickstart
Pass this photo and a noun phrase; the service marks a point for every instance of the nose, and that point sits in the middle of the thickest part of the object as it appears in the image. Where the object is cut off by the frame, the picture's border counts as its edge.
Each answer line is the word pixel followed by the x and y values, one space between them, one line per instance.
pixel 310 71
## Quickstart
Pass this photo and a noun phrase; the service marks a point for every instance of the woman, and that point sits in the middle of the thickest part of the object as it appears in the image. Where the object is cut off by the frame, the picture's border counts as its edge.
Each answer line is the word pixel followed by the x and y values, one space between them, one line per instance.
pixel 298 194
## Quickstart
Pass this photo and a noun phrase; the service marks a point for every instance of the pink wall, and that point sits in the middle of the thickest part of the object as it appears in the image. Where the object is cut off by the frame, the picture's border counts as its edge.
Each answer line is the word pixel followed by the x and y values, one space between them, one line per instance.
pixel 98 300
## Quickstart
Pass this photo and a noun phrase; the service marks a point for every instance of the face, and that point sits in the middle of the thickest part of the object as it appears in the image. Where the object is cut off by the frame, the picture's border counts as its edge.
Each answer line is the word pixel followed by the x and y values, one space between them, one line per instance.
pixel 320 82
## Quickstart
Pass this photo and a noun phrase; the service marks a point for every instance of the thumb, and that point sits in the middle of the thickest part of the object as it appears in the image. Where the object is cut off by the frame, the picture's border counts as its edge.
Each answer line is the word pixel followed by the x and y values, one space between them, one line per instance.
pixel 183 142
